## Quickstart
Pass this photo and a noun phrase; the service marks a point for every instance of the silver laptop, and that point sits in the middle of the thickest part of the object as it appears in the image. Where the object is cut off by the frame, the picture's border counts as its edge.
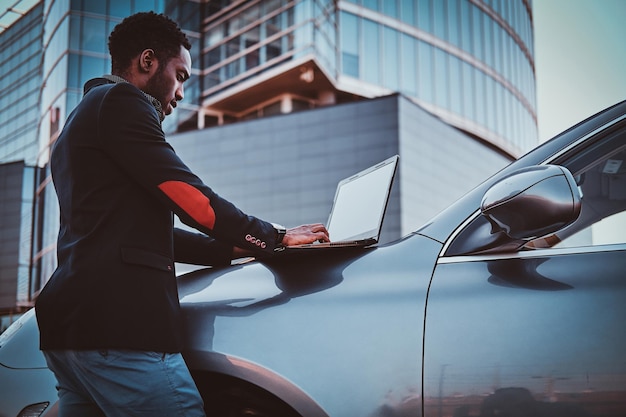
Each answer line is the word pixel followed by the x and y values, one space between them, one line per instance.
pixel 356 217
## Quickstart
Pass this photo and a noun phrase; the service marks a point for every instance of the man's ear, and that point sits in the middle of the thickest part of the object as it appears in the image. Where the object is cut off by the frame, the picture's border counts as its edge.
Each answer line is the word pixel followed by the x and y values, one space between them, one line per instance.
pixel 148 61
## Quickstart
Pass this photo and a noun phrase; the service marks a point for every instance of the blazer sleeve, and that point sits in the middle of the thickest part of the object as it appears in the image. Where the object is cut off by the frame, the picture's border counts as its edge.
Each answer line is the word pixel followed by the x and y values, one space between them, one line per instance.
pixel 130 133
pixel 200 249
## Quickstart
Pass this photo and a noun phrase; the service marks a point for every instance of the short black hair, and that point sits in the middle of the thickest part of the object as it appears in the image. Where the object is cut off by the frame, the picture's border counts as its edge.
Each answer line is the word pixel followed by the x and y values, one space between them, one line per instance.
pixel 141 31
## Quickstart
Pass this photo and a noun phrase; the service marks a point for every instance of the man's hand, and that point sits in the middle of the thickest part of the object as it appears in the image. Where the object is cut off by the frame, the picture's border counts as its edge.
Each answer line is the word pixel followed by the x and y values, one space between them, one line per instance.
pixel 307 233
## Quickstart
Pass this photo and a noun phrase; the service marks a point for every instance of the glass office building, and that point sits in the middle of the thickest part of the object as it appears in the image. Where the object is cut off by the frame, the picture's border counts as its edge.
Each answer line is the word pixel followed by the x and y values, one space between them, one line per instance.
pixel 20 84
pixel 468 63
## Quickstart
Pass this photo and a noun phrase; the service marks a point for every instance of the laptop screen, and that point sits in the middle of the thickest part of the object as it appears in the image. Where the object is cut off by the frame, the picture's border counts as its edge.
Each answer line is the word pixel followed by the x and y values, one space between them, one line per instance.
pixel 360 203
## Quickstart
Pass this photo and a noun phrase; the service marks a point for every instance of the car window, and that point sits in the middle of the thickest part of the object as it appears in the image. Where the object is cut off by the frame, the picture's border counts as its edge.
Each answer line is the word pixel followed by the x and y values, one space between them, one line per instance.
pixel 600 172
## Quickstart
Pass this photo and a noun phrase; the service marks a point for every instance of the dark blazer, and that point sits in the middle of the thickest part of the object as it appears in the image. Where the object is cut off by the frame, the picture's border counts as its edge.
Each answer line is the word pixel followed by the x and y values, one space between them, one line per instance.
pixel 118 184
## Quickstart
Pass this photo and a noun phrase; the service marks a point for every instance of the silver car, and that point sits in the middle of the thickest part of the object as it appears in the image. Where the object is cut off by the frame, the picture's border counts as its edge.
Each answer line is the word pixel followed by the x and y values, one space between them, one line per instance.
pixel 511 302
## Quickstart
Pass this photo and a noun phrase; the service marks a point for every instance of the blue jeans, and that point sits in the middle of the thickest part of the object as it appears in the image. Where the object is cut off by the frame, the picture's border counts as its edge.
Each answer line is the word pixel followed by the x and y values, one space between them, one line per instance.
pixel 123 383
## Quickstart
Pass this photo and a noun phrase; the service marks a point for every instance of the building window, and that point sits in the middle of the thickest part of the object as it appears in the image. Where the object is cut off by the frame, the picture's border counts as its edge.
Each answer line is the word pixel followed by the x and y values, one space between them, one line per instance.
pixel 425 71
pixel 371 52
pixel 390 59
pixel 408 65
pixel 350 45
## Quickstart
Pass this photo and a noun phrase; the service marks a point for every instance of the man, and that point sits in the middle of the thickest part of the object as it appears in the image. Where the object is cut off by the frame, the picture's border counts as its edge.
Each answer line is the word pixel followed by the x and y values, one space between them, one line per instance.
pixel 109 316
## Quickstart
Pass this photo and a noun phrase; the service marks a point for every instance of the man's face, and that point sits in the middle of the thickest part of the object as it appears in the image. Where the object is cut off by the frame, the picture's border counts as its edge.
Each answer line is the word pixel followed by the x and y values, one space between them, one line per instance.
pixel 166 85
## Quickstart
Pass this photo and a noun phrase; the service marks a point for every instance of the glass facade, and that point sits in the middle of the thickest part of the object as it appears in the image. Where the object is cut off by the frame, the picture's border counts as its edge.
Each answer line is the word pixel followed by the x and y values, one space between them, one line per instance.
pixel 242 40
pixel 468 61
pixel 20 83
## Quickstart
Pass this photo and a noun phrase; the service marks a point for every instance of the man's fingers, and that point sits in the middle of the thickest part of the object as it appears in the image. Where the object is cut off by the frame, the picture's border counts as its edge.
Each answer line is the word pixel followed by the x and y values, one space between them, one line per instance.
pixel 307 233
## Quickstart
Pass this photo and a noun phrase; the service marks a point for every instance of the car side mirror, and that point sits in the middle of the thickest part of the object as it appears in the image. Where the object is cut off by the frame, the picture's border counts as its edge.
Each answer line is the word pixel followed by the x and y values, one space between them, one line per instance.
pixel 532 202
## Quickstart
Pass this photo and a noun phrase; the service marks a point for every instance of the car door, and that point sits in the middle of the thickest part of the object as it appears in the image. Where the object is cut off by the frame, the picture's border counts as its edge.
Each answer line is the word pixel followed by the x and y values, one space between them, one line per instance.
pixel 539 331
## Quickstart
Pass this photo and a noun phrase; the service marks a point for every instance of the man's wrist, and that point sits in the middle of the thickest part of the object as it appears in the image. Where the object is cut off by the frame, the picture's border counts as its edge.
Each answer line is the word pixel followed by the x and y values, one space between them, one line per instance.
pixel 279 233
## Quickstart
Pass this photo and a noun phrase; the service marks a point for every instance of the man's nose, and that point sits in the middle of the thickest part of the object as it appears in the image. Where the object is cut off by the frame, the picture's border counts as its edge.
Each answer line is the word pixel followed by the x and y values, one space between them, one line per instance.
pixel 180 93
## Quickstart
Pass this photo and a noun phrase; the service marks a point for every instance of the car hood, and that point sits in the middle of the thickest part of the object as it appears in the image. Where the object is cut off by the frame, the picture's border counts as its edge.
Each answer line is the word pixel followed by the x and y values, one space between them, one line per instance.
pixel 19 345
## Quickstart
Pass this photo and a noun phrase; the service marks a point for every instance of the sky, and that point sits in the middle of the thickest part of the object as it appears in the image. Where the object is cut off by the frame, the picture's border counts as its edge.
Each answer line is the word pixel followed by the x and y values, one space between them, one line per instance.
pixel 580 60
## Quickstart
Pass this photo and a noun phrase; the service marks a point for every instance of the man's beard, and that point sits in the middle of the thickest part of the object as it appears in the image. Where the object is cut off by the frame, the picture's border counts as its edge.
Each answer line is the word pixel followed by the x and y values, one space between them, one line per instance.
pixel 156 87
